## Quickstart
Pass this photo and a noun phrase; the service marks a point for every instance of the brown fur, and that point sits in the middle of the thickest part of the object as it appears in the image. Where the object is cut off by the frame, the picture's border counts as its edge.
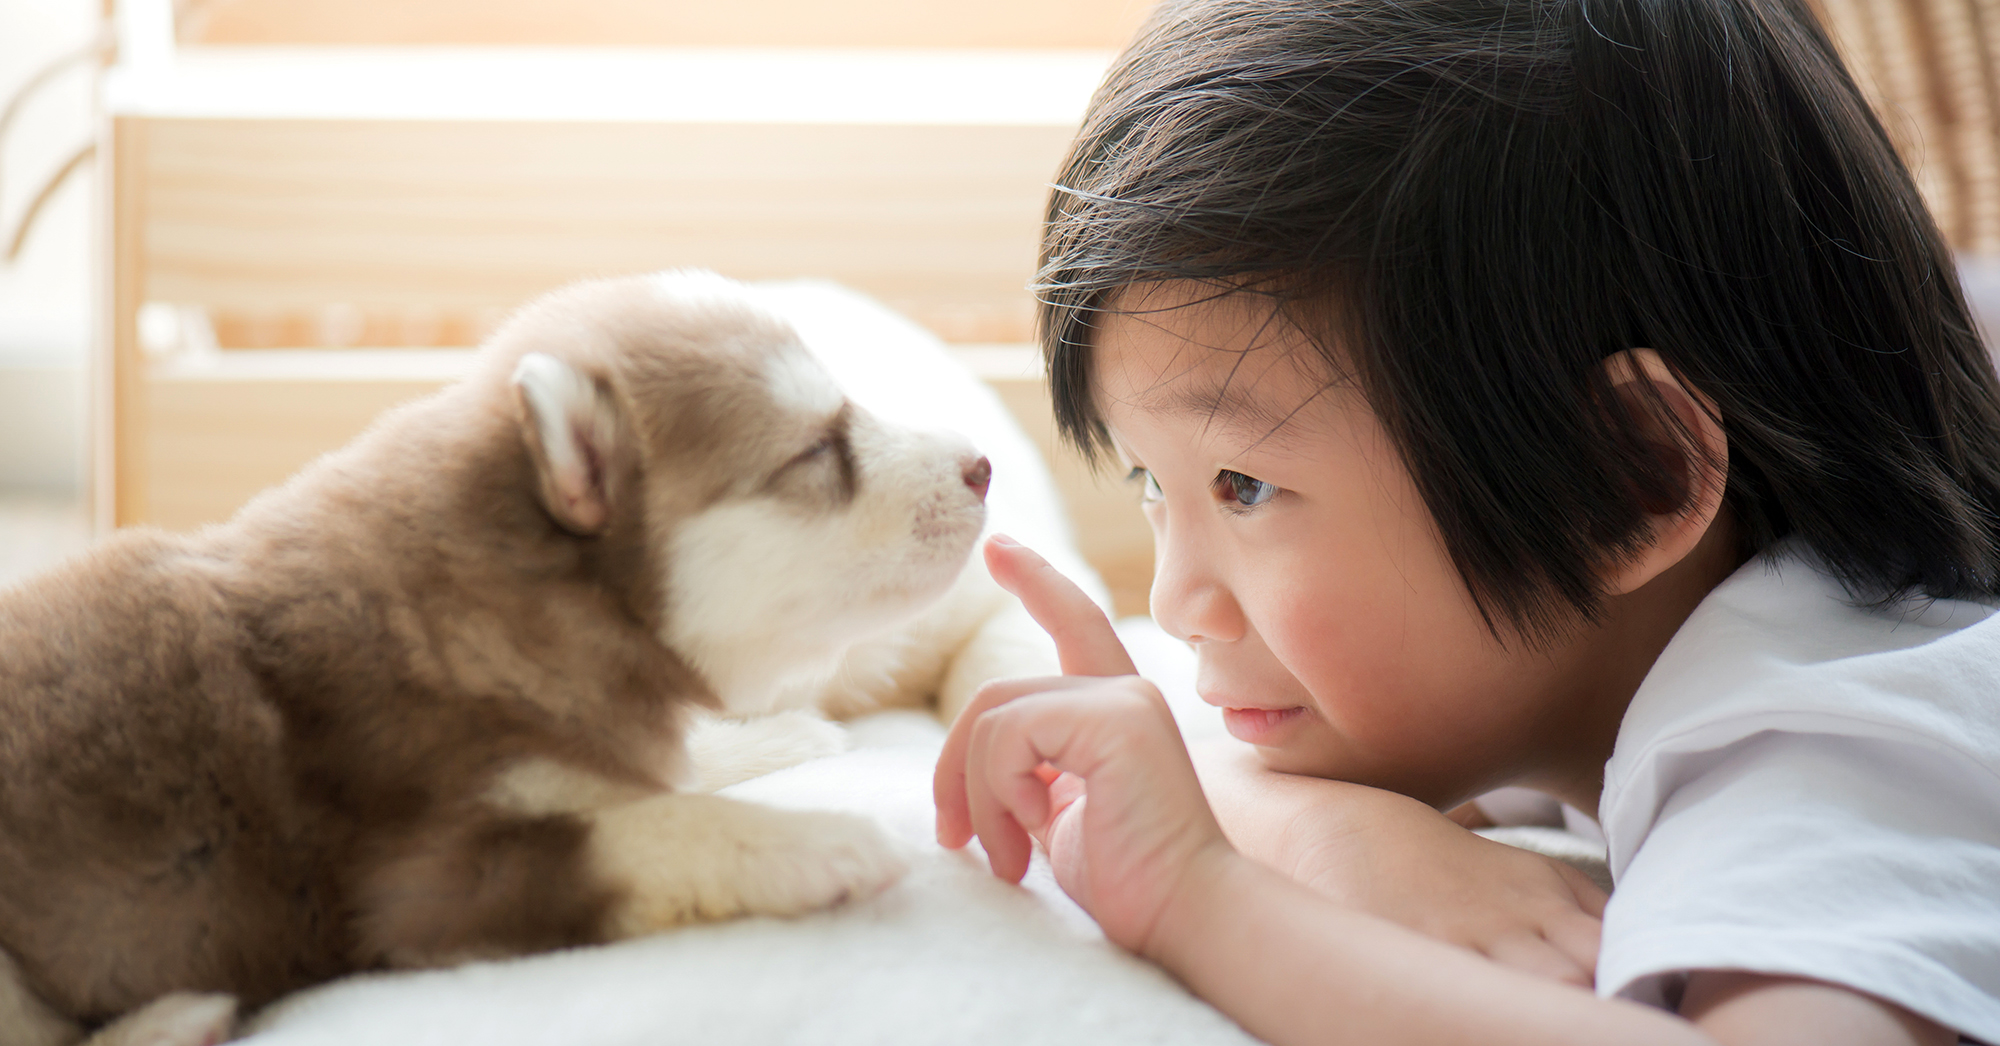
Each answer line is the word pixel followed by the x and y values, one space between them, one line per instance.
pixel 256 757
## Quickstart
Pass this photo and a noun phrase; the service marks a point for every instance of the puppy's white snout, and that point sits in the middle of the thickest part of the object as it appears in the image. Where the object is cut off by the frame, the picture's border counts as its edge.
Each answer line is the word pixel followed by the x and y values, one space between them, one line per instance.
pixel 978 473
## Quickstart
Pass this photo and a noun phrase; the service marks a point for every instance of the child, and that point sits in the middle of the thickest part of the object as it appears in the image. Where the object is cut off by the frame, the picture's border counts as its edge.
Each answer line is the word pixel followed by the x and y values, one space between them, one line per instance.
pixel 1560 393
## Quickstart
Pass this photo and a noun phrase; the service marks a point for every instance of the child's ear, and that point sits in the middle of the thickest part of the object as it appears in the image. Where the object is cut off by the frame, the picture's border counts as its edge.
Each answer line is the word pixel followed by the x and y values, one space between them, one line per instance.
pixel 1681 426
pixel 572 430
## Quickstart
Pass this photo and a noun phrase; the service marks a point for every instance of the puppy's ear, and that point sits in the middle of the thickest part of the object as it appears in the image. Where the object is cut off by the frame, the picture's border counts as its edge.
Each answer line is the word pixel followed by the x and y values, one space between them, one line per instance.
pixel 572 430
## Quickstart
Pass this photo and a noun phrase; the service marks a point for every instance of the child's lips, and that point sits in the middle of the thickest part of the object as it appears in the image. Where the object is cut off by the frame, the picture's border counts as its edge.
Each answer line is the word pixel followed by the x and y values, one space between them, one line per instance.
pixel 1259 726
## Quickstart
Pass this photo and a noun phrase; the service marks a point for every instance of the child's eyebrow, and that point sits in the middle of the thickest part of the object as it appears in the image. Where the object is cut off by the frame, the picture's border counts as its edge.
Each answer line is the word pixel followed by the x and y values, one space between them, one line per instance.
pixel 1231 409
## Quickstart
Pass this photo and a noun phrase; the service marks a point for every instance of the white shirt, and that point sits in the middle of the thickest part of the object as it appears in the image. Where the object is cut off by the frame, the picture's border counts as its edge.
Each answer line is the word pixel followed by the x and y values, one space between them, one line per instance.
pixel 1802 786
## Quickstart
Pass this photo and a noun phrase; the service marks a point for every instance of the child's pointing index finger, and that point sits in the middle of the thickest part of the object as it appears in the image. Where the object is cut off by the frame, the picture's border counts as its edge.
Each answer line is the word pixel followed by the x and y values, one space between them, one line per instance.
pixel 1086 644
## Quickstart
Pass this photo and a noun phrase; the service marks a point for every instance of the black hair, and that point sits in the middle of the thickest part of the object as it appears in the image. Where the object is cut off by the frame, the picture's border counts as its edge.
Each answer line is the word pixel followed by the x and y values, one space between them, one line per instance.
pixel 1470 204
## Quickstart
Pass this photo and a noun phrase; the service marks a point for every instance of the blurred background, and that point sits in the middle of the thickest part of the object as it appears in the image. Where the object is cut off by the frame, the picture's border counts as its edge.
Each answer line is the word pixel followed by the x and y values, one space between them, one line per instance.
pixel 238 229
pixel 45 286
pixel 257 223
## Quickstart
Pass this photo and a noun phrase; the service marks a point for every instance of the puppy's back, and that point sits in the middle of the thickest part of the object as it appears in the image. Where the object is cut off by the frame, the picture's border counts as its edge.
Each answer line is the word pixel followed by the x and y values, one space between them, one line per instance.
pixel 140 790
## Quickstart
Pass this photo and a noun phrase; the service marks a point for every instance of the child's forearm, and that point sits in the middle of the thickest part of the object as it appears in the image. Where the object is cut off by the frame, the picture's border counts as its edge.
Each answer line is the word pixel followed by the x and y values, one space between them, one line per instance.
pixel 1394 858
pixel 1279 819
pixel 1293 967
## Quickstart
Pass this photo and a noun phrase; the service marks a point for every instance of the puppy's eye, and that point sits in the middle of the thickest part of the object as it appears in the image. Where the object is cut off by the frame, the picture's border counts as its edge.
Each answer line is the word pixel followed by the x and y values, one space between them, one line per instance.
pixel 1243 490
pixel 827 465
pixel 1150 491
pixel 820 451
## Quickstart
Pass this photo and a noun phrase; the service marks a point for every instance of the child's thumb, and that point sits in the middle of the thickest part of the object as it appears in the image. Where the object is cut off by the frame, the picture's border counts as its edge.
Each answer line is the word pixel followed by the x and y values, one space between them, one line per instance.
pixel 1086 644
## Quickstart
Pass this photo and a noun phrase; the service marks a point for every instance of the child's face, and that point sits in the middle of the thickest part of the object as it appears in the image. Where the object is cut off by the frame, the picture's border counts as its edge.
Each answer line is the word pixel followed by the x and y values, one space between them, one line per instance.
pixel 1296 555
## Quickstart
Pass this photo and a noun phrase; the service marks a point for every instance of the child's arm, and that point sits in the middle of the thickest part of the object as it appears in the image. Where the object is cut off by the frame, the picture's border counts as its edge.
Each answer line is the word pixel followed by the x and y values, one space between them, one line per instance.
pixel 1145 856
pixel 1394 857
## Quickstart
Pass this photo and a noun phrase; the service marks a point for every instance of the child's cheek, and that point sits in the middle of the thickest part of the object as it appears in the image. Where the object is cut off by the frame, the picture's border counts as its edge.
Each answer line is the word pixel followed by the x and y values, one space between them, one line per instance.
pixel 1348 657
pixel 1385 679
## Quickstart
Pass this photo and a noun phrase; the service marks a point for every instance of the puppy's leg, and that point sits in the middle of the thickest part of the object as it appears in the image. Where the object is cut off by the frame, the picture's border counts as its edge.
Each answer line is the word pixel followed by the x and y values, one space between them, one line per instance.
pixel 1008 645
pixel 725 751
pixel 559 866
pixel 675 859
pixel 24 1019
pixel 180 1019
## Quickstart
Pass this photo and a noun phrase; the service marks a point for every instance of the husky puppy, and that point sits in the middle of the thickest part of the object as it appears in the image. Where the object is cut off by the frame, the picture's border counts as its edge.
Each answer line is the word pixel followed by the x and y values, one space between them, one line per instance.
pixel 426 701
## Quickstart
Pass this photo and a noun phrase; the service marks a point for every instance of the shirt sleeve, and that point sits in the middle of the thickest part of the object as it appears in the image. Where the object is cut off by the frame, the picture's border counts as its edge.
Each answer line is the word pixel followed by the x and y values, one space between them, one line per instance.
pixel 1866 862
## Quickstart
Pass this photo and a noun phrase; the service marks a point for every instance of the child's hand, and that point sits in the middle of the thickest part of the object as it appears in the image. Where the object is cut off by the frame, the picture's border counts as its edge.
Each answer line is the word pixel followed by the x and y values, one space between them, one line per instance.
pixel 1396 858
pixel 1024 755
pixel 1418 868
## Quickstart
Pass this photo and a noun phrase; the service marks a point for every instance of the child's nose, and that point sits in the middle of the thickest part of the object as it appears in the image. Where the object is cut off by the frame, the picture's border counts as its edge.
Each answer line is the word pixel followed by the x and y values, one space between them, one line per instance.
pixel 1189 599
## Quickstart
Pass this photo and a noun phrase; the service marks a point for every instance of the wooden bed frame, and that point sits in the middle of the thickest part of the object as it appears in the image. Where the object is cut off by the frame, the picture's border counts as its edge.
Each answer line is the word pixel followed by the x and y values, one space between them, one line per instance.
pixel 298 237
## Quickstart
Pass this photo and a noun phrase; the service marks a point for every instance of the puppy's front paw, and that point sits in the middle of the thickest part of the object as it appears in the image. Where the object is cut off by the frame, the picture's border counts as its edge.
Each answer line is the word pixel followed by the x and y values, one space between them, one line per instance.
pixel 818 861
pixel 688 858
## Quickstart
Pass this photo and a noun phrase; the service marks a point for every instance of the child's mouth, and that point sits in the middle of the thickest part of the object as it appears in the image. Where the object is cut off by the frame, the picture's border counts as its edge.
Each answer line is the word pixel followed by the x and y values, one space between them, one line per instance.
pixel 1258 726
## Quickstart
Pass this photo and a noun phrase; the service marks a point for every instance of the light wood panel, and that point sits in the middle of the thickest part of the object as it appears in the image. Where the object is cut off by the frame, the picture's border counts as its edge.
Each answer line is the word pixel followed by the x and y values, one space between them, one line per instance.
pixel 937 222
pixel 118 427
pixel 211 445
pixel 755 23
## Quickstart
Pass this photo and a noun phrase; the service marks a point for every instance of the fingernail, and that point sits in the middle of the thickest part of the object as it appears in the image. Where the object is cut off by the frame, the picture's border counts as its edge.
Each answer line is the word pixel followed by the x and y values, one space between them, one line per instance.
pixel 1002 539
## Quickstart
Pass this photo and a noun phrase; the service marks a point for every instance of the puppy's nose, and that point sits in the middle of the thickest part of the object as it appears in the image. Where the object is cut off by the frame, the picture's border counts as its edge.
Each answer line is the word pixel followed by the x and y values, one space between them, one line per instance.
pixel 978 473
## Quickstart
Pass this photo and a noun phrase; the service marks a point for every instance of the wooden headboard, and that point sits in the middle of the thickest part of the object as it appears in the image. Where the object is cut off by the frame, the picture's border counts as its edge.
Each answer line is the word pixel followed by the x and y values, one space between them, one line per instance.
pixel 301 236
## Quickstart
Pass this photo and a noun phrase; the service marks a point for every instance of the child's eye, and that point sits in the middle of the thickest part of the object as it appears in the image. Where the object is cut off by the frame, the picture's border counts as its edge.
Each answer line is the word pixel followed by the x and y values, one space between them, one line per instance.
pixel 1242 489
pixel 1152 491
